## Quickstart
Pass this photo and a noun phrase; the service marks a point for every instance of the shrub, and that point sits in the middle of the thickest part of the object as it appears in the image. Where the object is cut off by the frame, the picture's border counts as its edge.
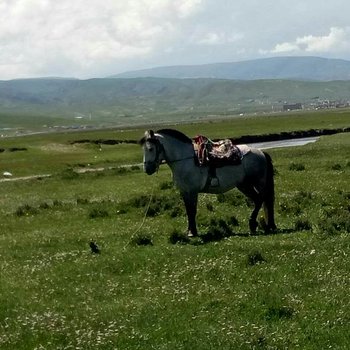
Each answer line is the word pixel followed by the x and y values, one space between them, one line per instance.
pixel 336 167
pixel 98 213
pixel 26 210
pixel 218 229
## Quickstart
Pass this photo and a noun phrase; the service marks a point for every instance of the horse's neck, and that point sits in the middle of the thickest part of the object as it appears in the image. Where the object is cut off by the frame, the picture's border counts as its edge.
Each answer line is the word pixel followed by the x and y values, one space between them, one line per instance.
pixel 176 150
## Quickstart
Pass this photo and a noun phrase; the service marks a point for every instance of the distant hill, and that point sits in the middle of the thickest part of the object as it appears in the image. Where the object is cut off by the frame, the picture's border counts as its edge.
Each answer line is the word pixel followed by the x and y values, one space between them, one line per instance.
pixel 141 100
pixel 295 68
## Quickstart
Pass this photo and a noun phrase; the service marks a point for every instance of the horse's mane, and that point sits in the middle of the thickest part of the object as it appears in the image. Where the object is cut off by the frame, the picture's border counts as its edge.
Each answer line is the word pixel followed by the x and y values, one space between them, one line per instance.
pixel 176 134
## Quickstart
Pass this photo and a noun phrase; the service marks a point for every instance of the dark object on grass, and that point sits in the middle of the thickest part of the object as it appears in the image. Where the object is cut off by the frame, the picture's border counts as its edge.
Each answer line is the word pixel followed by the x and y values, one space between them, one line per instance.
pixel 255 258
pixel 142 239
pixel 279 312
pixel 218 229
pixel 94 248
pixel 179 237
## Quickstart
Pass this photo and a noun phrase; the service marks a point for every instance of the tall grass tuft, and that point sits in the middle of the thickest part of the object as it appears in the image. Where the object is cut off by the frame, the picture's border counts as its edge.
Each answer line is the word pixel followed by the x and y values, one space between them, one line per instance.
pixel 178 237
pixel 297 167
pixel 218 229
pixel 302 224
pixel 96 213
pixel 254 258
pixel 26 210
pixel 333 222
pixel 142 239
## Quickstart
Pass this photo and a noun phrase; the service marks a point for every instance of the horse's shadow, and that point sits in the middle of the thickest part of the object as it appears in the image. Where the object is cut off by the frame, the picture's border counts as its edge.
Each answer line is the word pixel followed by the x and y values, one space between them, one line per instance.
pixel 209 237
pixel 217 234
pixel 282 231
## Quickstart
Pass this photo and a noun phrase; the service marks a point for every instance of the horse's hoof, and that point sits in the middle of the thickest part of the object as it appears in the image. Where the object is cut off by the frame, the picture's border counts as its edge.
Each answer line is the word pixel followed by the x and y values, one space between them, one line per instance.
pixel 271 229
pixel 253 225
pixel 190 234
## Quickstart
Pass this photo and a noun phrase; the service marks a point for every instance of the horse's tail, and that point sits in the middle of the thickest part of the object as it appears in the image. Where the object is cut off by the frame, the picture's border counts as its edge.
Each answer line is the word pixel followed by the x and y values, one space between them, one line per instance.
pixel 269 198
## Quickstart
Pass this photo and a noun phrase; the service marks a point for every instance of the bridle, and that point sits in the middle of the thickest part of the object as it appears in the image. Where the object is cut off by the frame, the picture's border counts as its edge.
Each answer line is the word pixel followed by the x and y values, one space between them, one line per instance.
pixel 159 149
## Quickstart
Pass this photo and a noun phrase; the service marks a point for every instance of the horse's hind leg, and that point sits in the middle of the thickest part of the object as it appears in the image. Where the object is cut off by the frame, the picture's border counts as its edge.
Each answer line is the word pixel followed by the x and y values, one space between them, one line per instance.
pixel 269 216
pixel 190 200
pixel 269 196
pixel 253 194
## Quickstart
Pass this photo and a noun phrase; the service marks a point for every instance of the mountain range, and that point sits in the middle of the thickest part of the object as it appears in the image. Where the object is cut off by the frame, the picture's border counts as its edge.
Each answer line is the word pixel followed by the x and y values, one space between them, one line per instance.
pixel 294 68
pixel 134 98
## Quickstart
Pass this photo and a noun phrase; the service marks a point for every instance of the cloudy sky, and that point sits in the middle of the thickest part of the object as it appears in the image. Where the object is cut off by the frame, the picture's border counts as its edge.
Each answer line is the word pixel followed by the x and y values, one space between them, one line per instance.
pixel 98 38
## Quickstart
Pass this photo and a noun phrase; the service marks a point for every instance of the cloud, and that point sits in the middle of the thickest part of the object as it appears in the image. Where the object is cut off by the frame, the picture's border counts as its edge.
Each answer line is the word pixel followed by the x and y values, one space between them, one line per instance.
pixel 216 38
pixel 87 38
pixel 75 37
pixel 338 40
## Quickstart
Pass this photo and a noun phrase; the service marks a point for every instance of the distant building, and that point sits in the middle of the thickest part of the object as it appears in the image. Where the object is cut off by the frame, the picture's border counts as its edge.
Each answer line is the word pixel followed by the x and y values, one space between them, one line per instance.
pixel 292 107
pixel 325 104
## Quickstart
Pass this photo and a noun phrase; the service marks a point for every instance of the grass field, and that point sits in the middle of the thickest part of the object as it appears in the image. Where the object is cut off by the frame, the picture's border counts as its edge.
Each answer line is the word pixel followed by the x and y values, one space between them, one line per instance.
pixel 289 290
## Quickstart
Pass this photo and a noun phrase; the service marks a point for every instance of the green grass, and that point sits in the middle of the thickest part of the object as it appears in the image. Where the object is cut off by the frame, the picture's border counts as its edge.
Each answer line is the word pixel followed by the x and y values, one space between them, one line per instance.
pixel 52 153
pixel 289 290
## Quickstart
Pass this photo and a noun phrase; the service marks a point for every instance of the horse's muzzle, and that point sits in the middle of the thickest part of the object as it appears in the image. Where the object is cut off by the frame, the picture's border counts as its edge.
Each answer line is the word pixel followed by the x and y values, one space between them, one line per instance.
pixel 150 167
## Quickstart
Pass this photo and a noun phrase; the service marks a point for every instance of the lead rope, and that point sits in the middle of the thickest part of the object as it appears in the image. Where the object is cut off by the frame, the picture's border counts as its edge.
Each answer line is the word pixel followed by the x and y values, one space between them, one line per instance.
pixel 143 220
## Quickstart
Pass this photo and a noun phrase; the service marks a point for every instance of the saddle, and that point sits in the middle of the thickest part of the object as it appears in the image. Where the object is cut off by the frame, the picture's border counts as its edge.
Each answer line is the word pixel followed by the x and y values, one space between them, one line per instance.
pixel 216 154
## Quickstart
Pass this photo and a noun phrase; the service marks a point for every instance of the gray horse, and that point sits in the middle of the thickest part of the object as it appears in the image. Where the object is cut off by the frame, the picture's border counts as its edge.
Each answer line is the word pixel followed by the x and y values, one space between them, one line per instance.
pixel 253 176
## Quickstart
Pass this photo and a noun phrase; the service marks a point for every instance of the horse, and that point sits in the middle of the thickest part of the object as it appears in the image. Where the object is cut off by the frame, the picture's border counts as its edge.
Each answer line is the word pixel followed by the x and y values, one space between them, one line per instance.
pixel 253 176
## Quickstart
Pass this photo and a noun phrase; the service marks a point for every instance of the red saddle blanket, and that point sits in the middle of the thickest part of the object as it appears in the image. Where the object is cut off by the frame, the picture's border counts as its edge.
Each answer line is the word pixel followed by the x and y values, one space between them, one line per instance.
pixel 216 154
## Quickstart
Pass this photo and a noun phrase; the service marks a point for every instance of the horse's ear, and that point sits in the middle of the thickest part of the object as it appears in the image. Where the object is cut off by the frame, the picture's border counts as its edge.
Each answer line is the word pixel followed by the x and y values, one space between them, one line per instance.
pixel 149 134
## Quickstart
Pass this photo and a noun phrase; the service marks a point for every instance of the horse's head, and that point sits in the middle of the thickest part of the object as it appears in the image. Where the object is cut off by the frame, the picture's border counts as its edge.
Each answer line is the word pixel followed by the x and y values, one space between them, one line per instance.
pixel 152 152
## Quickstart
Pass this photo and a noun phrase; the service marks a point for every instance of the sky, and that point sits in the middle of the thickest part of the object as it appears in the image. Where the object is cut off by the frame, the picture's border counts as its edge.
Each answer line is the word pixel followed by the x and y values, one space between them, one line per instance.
pixel 98 38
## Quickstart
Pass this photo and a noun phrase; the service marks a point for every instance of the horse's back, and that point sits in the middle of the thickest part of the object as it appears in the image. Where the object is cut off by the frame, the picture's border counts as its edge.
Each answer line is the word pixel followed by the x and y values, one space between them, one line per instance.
pixel 255 164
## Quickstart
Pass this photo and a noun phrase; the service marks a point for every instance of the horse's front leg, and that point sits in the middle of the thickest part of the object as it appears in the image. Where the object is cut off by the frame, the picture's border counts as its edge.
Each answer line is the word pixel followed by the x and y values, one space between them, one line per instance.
pixel 190 200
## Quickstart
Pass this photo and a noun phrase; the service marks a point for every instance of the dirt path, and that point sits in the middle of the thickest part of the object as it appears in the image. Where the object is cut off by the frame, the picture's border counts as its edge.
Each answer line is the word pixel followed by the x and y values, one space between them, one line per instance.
pixel 22 178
